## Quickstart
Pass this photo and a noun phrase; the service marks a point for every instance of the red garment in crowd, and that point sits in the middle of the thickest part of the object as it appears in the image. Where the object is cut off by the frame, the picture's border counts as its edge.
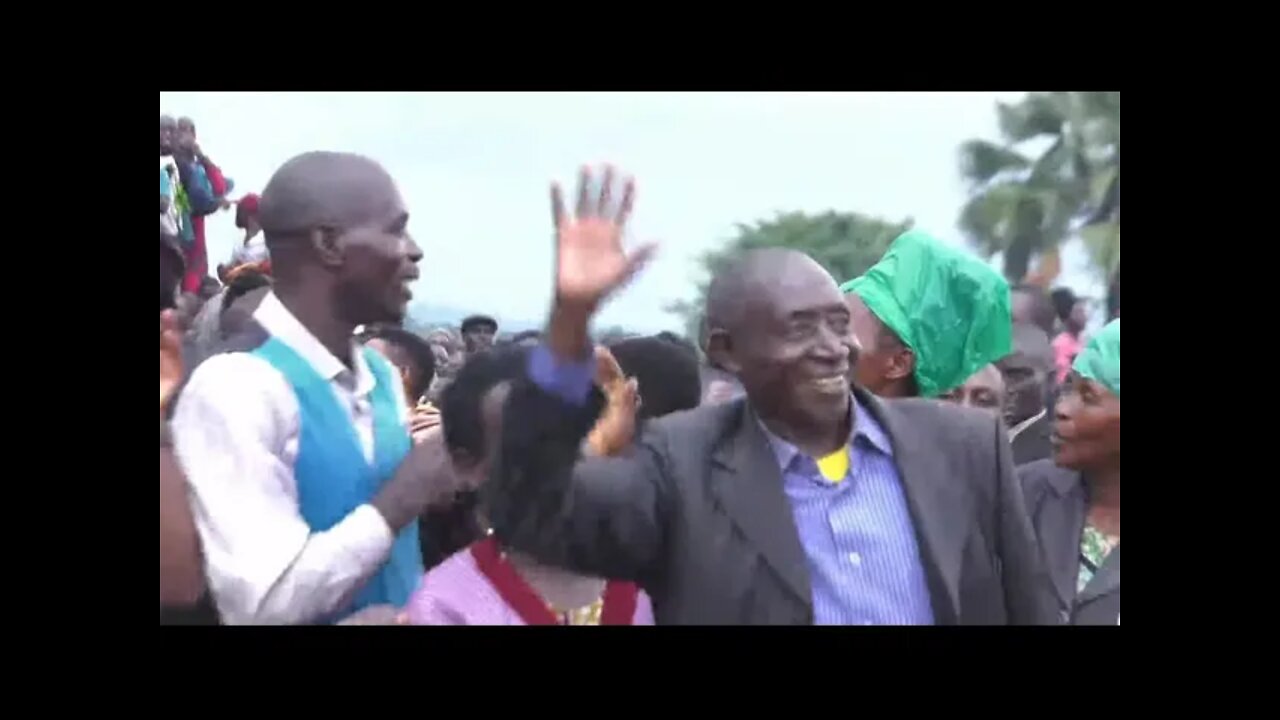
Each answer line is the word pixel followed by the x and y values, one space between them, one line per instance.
pixel 197 254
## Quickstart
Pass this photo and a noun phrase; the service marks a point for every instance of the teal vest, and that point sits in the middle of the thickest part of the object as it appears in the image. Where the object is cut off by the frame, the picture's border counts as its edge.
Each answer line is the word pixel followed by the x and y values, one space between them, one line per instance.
pixel 332 474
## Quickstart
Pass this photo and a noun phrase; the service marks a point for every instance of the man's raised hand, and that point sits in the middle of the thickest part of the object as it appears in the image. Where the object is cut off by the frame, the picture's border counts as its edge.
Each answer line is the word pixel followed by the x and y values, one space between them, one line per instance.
pixel 591 262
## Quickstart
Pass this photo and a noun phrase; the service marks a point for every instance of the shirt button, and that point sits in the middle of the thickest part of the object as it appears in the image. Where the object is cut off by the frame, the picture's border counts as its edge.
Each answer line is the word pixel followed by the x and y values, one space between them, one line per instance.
pixel 856 559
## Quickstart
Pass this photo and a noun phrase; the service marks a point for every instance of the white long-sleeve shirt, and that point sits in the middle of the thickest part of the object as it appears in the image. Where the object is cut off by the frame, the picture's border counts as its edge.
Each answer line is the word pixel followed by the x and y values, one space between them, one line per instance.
pixel 236 432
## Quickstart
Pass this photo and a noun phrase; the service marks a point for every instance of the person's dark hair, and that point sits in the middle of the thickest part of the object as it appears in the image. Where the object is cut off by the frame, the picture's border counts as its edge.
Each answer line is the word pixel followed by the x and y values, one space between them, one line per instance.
pixel 680 340
pixel 243 284
pixel 461 402
pixel 667 372
pixel 416 349
pixel 172 266
pixel 478 320
pixel 1064 300
pixel 1113 296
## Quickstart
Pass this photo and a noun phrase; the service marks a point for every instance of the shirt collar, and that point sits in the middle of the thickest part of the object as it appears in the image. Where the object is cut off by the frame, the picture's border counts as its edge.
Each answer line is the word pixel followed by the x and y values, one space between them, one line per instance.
pixel 1016 430
pixel 864 426
pixel 276 319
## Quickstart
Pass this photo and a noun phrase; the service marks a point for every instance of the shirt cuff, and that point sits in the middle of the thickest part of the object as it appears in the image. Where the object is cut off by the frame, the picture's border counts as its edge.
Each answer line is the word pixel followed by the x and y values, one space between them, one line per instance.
pixel 368 536
pixel 570 382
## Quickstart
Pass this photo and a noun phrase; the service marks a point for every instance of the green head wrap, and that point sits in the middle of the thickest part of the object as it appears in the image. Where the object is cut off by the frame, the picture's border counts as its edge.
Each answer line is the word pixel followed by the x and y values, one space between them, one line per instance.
pixel 944 303
pixel 1100 359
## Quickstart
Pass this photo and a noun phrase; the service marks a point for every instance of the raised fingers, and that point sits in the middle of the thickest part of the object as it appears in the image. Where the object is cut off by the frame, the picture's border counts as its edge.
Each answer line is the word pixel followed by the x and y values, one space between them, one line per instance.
pixel 557 205
pixel 584 208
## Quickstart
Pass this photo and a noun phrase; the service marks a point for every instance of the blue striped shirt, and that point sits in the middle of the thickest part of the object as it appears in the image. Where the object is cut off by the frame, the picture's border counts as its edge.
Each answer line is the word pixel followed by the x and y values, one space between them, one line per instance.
pixel 857 534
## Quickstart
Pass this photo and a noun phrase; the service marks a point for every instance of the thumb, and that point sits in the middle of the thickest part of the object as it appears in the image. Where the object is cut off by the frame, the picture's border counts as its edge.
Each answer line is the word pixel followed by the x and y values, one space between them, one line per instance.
pixel 636 261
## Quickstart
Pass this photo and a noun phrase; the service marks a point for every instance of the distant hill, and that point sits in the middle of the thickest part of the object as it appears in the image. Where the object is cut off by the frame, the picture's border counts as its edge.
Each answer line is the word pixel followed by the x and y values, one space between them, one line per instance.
pixel 425 315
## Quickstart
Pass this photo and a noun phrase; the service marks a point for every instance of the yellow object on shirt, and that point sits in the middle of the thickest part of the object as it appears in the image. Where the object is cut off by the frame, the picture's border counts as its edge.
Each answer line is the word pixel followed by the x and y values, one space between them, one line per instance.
pixel 835 466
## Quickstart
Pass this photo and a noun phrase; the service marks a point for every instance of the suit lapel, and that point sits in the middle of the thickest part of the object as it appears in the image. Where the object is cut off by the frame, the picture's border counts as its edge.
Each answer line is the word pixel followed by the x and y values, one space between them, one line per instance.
pixel 1059 522
pixel 939 507
pixel 748 484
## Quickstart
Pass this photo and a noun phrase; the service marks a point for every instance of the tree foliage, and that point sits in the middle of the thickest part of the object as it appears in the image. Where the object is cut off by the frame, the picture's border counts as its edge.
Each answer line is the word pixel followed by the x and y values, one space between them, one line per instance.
pixel 1024 203
pixel 846 244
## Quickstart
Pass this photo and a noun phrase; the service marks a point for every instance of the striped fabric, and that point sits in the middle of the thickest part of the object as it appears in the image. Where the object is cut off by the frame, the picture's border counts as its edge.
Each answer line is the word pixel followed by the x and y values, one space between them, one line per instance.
pixel 857 533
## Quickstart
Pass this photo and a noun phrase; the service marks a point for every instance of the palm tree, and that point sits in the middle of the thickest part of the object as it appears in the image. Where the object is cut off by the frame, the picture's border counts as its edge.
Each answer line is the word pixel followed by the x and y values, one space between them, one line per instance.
pixel 1026 205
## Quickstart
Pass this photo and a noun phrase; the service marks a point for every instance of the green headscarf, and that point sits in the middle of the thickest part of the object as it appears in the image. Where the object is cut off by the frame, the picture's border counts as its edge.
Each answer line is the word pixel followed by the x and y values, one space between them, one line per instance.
pixel 944 303
pixel 1100 359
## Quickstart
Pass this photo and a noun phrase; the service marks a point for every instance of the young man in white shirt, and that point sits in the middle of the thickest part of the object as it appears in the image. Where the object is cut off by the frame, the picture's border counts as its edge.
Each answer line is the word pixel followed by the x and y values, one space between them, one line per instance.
pixel 295 440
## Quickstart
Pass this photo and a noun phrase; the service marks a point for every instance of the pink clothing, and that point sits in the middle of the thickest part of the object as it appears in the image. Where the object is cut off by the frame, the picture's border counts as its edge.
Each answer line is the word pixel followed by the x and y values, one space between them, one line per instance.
pixel 456 592
pixel 1065 348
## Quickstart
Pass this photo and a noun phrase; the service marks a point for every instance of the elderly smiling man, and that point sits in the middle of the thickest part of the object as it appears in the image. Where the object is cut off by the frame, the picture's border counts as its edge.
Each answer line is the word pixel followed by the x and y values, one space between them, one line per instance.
pixel 807 501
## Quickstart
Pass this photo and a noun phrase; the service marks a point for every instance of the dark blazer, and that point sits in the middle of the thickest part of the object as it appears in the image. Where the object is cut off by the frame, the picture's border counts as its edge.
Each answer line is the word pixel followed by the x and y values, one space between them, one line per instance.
pixel 1033 442
pixel 697 515
pixel 1057 505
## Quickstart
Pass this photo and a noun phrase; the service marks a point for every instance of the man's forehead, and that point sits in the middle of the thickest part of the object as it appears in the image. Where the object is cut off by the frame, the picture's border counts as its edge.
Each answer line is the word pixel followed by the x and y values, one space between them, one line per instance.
pixel 792 288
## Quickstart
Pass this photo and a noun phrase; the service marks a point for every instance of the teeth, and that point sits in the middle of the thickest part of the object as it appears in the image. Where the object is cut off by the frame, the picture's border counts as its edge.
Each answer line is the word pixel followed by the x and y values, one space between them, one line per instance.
pixel 829 383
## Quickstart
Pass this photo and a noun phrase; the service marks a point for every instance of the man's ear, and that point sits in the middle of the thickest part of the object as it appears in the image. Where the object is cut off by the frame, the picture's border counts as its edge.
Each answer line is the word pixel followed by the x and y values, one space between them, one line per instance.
pixel 720 350
pixel 902 365
pixel 328 245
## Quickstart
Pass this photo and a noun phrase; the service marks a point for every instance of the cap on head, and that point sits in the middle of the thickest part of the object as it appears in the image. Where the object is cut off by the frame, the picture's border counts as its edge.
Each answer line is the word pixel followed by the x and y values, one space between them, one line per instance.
pixel 245 209
pixel 474 322
pixel 950 308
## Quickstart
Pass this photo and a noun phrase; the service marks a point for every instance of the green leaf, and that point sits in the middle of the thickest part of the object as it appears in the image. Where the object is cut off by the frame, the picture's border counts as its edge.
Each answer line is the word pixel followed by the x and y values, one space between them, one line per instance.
pixel 981 161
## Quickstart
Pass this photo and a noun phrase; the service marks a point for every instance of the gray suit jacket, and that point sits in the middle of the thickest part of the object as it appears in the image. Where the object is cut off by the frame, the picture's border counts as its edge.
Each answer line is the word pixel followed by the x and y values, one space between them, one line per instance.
pixel 696 513
pixel 1058 508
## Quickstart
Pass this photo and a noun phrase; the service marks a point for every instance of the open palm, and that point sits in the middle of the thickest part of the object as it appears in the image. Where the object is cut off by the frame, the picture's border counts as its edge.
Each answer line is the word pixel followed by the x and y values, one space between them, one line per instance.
pixel 591 262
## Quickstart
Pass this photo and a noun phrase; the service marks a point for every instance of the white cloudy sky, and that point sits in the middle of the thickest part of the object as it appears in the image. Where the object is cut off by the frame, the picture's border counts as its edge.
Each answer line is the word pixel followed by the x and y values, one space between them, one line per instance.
pixel 474 170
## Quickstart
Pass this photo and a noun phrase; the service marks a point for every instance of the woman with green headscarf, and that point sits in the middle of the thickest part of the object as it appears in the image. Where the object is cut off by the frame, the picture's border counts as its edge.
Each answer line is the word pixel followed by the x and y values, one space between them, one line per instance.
pixel 1074 499
pixel 927 317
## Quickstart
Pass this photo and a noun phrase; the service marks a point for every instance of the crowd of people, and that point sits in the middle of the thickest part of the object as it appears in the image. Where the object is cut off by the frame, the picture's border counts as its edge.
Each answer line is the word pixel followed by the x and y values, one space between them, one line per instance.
pixel 922 444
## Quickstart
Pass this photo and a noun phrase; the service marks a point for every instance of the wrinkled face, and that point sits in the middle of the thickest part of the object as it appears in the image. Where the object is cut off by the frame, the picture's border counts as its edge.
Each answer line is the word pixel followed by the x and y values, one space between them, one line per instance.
pixel 793 345
pixel 379 263
pixel 984 390
pixel 168 134
pixel 1086 431
pixel 479 337
pixel 884 363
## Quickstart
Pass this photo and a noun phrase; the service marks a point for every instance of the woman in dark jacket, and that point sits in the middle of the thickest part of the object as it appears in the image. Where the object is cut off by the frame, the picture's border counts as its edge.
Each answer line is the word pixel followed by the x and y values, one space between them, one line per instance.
pixel 1074 499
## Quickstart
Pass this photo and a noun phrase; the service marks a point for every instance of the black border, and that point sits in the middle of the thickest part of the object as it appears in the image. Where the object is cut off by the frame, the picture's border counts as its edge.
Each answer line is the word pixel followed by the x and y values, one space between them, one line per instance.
pixel 779 649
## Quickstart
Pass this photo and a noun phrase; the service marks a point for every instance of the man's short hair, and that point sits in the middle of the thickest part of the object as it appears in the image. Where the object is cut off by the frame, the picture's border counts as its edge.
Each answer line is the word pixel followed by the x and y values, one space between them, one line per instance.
pixel 415 349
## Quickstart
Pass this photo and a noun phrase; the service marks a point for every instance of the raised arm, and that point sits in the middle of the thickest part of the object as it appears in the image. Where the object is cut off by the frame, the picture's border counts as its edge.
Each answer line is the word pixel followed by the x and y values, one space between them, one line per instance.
pixel 602 516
